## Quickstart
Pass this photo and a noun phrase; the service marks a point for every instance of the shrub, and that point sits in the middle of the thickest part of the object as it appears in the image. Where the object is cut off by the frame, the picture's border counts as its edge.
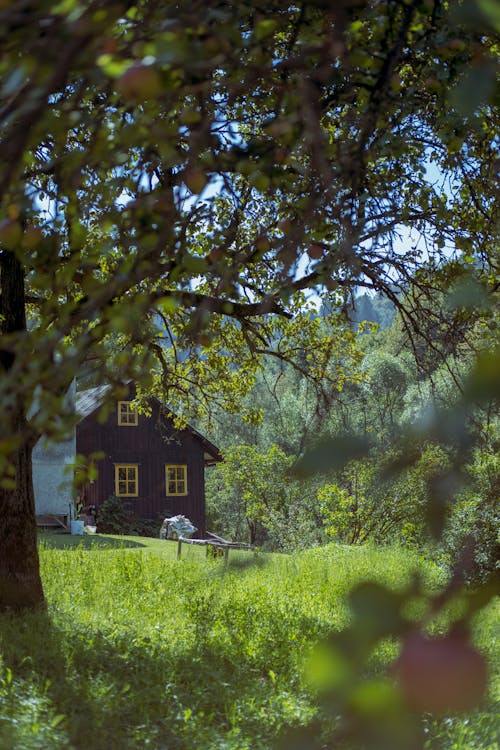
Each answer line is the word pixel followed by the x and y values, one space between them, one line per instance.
pixel 114 517
pixel 362 507
pixel 145 526
pixel 475 517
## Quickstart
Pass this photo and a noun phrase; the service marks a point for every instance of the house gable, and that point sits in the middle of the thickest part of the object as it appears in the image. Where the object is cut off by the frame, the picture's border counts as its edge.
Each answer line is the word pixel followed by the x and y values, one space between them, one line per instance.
pixel 155 468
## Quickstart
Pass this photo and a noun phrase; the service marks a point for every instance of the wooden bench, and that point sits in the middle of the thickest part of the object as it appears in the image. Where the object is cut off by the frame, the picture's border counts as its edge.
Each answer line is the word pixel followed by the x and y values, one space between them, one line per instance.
pixel 215 542
pixel 52 521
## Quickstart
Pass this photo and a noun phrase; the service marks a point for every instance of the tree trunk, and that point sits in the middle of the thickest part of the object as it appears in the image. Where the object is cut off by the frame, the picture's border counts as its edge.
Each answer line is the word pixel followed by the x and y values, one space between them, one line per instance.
pixel 20 582
pixel 252 528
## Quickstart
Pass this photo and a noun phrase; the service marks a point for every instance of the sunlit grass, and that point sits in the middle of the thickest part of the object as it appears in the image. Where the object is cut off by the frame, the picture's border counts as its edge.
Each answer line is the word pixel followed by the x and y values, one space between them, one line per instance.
pixel 139 650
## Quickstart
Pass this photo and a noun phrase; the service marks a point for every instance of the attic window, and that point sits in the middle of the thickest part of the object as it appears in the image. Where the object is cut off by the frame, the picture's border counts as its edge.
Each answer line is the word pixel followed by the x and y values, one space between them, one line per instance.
pixel 176 479
pixel 127 417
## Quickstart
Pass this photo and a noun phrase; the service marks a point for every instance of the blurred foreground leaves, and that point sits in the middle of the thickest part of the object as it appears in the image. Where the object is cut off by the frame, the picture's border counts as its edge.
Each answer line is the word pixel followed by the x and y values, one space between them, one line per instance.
pixel 437 671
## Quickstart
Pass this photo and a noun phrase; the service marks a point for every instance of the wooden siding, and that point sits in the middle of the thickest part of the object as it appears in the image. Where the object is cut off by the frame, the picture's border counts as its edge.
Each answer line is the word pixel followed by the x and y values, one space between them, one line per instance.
pixel 150 445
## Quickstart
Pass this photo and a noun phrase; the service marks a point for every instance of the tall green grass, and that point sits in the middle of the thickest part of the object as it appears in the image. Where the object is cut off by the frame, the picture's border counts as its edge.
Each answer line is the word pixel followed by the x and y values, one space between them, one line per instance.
pixel 141 651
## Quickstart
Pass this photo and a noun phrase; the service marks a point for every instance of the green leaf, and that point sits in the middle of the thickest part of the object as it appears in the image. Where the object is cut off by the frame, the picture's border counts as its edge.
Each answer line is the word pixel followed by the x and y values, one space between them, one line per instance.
pixel 467 293
pixel 265 28
pixel 195 265
pixel 259 181
pixel 331 454
pixel 113 66
pixel 475 90
pixel 484 381
pixel 57 720
pixel 491 10
pixel 376 609
pixel 328 668
pixel 373 698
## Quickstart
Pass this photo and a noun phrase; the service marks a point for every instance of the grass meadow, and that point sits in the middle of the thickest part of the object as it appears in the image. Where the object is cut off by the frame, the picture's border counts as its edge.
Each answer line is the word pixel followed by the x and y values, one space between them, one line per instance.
pixel 139 650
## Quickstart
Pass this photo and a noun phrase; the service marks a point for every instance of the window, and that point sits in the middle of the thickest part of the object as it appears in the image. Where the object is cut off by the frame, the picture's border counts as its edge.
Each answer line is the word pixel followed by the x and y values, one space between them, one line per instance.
pixel 176 479
pixel 127 417
pixel 126 480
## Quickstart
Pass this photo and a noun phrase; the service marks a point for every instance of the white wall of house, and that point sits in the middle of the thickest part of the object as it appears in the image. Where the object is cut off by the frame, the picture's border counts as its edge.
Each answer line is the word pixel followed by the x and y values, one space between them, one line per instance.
pixel 51 479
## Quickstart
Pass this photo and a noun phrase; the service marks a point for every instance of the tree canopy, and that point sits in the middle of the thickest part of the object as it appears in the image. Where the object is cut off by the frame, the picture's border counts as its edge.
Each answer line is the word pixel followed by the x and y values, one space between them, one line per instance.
pixel 205 160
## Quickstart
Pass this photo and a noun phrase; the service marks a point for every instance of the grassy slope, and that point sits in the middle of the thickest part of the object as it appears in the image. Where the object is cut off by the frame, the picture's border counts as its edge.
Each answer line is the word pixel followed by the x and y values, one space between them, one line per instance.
pixel 141 651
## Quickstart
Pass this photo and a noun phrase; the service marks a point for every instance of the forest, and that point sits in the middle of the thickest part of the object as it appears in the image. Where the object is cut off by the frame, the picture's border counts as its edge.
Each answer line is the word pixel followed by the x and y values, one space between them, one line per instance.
pixel 282 221
pixel 392 394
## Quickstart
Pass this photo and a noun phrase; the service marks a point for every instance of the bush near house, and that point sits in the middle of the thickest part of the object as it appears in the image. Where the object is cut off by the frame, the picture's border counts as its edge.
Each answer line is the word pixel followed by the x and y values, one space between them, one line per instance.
pixel 115 518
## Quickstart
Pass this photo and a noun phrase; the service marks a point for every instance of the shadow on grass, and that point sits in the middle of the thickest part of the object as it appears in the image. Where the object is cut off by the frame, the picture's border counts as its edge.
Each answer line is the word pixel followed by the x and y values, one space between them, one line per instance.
pixel 89 541
pixel 93 690
pixel 244 561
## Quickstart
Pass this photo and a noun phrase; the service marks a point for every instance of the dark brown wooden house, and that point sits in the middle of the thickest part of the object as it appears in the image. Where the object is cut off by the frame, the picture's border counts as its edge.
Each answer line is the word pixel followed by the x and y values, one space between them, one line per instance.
pixel 156 469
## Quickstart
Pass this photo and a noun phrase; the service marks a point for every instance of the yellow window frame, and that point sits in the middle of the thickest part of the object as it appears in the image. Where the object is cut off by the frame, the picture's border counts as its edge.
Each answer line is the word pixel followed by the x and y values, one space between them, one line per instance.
pixel 127 480
pixel 176 480
pixel 127 417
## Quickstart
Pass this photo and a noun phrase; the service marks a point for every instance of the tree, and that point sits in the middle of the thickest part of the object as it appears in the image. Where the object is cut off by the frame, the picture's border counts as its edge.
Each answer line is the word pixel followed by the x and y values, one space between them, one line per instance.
pixel 292 396
pixel 251 487
pixel 199 164
pixel 384 391
pixel 362 507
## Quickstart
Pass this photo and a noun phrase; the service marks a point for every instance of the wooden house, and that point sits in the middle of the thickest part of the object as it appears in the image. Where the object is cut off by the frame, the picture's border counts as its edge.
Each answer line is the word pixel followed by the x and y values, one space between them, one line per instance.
pixel 154 468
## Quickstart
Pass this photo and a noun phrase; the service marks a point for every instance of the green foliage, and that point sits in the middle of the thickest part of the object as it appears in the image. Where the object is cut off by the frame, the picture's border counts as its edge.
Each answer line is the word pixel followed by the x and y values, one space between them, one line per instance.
pixel 292 406
pixel 252 497
pixel 376 309
pixel 411 437
pixel 178 185
pixel 116 517
pixel 387 384
pixel 368 504
pixel 475 517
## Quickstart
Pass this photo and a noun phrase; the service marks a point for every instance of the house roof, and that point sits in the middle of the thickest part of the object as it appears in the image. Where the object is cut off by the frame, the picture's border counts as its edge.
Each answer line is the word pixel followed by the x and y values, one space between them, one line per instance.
pixel 211 454
pixel 88 401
